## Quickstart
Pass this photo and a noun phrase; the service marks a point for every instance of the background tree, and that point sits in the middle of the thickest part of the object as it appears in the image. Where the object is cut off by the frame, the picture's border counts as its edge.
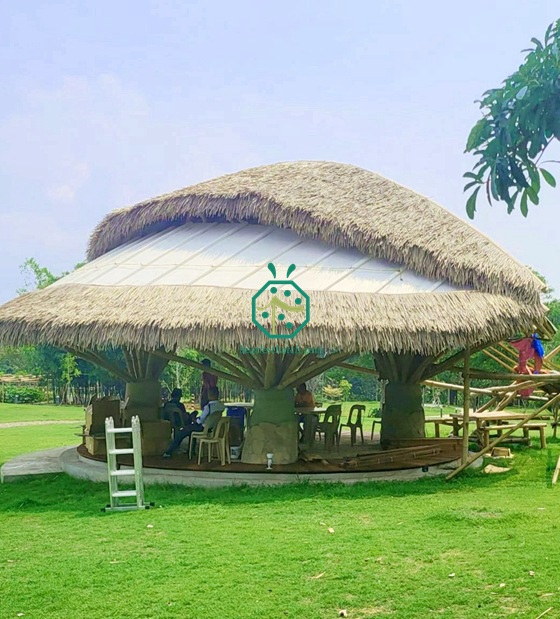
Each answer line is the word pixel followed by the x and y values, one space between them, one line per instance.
pixel 520 120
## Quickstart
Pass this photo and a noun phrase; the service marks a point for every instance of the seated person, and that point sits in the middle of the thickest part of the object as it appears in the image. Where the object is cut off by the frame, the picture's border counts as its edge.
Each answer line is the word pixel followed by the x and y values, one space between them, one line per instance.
pixel 304 399
pixel 174 410
pixel 208 419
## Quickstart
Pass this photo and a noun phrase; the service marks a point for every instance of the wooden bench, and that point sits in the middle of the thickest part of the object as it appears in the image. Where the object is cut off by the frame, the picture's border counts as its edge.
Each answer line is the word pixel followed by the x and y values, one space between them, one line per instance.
pixel 445 420
pixel 537 426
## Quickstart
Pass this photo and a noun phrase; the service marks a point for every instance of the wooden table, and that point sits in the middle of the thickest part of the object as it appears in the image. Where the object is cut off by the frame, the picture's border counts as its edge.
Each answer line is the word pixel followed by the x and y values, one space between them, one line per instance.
pixel 445 420
pixel 308 425
pixel 239 404
pixel 485 419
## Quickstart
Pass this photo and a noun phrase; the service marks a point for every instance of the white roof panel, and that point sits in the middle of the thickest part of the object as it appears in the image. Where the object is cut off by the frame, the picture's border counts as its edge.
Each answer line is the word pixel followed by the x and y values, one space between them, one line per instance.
pixel 236 255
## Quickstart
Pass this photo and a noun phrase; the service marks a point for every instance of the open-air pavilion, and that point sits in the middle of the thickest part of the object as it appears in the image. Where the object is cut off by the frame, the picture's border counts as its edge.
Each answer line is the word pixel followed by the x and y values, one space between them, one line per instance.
pixel 380 268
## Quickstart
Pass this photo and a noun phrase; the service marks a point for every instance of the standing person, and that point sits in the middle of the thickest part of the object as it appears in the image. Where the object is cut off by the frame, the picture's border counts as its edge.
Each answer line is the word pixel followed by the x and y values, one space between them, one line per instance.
pixel 209 381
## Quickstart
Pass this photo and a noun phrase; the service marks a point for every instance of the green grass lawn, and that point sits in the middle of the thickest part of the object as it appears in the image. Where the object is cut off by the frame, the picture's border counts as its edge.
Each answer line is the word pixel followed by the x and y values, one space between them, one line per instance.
pixel 24 439
pixel 39 412
pixel 479 546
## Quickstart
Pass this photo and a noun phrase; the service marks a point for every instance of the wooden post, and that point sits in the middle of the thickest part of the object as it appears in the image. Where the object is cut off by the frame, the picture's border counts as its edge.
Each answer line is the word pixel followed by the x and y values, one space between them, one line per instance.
pixel 466 405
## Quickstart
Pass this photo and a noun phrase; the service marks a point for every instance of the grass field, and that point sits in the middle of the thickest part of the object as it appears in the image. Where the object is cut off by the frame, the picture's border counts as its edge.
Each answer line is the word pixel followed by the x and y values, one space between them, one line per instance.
pixel 480 546
pixel 39 412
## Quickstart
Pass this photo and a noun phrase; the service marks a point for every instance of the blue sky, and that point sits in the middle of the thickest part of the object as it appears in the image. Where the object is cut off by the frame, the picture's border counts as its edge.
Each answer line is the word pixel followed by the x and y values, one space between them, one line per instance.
pixel 108 103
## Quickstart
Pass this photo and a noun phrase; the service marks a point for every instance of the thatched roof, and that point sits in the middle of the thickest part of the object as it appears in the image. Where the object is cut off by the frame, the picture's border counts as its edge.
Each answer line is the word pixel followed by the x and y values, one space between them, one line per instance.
pixel 425 281
pixel 218 318
pixel 342 205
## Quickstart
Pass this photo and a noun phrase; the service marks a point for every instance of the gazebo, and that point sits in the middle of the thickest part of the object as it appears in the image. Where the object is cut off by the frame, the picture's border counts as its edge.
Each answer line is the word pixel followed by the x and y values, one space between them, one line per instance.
pixel 358 263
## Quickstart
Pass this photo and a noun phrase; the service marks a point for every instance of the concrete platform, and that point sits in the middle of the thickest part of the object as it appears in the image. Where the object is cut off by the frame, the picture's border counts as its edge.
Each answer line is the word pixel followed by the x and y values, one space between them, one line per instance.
pixel 35 463
pixel 68 460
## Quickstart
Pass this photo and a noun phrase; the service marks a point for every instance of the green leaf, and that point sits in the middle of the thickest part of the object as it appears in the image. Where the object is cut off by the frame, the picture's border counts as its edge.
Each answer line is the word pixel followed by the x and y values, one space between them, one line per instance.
pixel 521 93
pixel 534 176
pixel 548 177
pixel 471 203
pixel 471 184
pixel 537 43
pixel 533 196
pixel 523 204
pixel 478 135
pixel 517 173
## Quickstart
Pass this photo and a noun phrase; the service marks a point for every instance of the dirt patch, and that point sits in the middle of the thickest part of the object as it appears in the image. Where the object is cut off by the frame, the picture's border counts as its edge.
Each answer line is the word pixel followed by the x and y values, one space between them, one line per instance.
pixel 18 424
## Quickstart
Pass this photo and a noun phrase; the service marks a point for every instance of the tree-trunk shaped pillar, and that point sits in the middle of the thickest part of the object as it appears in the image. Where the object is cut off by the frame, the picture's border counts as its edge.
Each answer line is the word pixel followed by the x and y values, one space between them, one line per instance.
pixel 403 412
pixel 141 372
pixel 143 389
pixel 273 425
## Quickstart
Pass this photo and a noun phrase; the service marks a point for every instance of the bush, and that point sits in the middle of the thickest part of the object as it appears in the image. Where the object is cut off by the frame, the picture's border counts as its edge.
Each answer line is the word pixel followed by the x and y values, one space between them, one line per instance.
pixel 23 395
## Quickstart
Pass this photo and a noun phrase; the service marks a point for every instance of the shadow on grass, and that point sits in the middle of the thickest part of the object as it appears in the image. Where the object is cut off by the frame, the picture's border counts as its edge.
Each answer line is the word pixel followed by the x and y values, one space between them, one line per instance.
pixel 61 493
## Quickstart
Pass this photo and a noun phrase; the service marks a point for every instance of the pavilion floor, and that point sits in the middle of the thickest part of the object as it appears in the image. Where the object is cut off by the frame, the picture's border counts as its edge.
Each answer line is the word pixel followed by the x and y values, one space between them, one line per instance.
pixel 345 458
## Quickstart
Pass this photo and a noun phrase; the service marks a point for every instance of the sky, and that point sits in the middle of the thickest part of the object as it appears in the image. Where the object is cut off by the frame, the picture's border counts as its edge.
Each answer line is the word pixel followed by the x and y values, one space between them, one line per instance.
pixel 104 104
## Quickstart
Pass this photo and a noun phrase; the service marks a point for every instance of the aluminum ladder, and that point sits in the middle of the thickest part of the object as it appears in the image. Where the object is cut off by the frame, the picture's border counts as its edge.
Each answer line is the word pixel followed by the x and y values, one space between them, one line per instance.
pixel 115 473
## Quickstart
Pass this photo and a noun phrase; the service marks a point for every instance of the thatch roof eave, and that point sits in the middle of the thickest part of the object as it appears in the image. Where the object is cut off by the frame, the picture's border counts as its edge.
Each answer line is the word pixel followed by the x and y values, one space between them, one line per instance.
pixel 151 317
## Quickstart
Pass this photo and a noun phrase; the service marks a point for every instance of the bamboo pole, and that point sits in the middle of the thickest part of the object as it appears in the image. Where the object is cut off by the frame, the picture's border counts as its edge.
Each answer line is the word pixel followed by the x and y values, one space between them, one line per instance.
pixel 551 378
pixel 501 362
pixel 507 352
pixel 552 353
pixel 556 472
pixel 449 363
pixel 488 404
pixel 533 382
pixel 441 385
pixel 507 399
pixel 466 407
pixel 499 439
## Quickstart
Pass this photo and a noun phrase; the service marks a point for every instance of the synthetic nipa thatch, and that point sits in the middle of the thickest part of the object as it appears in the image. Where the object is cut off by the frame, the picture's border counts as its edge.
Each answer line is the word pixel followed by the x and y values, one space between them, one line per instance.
pixel 339 204
pixel 344 206
pixel 217 319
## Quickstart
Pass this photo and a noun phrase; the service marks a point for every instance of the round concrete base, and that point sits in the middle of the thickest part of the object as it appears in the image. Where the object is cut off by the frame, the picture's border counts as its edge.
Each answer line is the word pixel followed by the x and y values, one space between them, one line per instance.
pixel 83 468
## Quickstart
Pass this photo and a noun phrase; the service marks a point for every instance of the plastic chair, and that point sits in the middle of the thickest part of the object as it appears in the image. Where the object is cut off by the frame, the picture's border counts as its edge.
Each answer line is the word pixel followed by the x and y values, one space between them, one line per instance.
pixel 359 409
pixel 377 418
pixel 209 427
pixel 329 425
pixel 172 413
pixel 219 440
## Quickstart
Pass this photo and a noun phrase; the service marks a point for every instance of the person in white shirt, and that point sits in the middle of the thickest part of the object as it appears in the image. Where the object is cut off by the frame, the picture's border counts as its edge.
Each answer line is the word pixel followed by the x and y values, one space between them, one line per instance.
pixel 208 419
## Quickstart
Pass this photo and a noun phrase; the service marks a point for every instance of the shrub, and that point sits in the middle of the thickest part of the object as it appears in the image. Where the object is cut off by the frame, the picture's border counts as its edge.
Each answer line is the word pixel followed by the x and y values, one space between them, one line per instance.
pixel 23 395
